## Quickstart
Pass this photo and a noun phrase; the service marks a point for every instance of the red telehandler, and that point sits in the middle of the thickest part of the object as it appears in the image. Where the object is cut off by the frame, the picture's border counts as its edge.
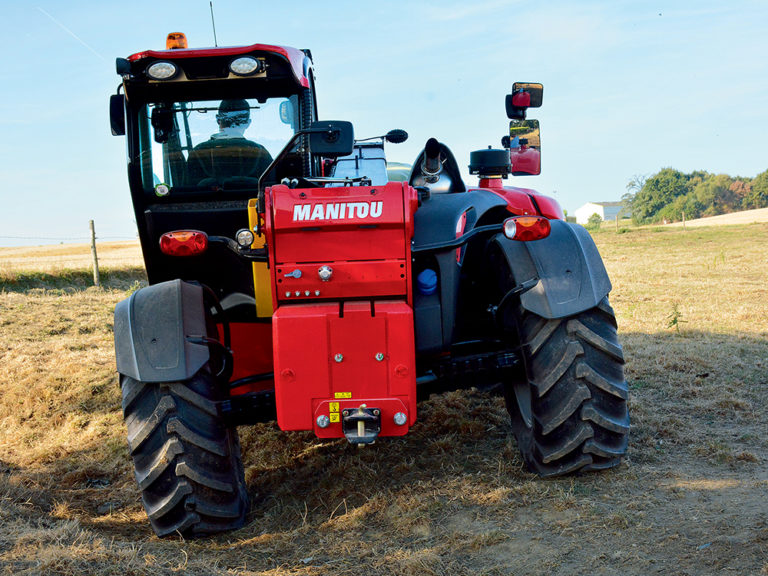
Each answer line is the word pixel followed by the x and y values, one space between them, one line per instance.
pixel 290 279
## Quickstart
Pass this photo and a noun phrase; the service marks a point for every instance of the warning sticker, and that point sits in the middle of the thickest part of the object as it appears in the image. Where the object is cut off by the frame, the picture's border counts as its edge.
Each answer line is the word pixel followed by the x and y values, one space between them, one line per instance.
pixel 333 406
pixel 334 416
pixel 342 395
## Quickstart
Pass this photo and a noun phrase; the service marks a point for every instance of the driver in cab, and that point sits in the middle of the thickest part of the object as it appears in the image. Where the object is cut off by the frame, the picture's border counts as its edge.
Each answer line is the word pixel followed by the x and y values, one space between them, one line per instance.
pixel 228 154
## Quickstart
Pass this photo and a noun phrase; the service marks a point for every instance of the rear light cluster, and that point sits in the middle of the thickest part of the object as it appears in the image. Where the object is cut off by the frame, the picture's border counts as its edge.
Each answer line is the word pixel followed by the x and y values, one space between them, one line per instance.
pixel 183 243
pixel 526 228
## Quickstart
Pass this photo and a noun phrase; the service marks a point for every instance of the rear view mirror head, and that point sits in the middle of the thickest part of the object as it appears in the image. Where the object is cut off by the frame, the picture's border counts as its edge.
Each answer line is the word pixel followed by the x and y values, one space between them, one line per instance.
pixel 117 114
pixel 331 138
pixel 524 95
pixel 533 89
pixel 396 136
pixel 122 67
pixel 524 143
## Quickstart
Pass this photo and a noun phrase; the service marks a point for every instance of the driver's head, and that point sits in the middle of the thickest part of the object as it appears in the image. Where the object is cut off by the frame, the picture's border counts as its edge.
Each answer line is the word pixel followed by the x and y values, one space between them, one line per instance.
pixel 233 113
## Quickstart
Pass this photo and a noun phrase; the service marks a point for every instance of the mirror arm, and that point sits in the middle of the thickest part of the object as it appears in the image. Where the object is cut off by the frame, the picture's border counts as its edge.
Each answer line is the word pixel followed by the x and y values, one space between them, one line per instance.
pixel 259 189
pixel 261 205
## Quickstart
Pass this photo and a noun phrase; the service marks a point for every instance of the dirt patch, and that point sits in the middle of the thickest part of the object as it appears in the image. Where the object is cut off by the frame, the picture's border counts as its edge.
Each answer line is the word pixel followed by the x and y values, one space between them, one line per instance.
pixel 745 217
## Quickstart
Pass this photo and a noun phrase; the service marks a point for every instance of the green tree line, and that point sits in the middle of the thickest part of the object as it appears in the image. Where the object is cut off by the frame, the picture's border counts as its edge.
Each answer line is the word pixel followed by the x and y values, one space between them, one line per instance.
pixel 669 194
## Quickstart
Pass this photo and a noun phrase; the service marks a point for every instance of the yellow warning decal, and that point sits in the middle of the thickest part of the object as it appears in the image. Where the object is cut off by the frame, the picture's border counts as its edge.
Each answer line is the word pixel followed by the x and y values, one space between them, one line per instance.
pixel 334 416
pixel 342 395
pixel 333 406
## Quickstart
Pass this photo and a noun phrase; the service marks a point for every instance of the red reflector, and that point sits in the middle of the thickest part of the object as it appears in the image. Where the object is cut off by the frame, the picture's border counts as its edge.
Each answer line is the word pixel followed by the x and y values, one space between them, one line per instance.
pixel 526 228
pixel 183 243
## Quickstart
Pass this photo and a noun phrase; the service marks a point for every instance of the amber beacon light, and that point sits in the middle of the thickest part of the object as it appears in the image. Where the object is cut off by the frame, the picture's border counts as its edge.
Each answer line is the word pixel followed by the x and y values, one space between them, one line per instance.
pixel 175 41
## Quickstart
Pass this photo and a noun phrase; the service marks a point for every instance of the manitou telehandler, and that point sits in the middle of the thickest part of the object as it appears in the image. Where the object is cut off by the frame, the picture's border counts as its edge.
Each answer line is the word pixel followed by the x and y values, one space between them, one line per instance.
pixel 289 278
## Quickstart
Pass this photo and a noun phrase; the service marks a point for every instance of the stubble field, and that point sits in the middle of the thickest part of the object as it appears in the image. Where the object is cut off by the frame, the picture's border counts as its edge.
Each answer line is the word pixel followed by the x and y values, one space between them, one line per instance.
pixel 452 497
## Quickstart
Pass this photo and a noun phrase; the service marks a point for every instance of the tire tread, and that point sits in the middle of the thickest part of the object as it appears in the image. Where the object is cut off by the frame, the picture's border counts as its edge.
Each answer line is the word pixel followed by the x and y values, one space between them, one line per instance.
pixel 186 462
pixel 579 397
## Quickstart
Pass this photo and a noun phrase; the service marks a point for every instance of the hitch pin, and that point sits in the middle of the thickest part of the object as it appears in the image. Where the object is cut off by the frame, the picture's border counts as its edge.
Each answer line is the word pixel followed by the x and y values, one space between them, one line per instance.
pixel 361 423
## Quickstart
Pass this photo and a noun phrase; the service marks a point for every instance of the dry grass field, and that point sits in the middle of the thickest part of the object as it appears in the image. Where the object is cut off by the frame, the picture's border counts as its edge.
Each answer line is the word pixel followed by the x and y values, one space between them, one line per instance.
pixel 451 498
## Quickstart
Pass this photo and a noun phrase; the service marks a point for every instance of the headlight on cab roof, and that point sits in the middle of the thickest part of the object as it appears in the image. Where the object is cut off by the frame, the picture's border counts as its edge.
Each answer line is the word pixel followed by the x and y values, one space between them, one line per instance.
pixel 162 70
pixel 245 66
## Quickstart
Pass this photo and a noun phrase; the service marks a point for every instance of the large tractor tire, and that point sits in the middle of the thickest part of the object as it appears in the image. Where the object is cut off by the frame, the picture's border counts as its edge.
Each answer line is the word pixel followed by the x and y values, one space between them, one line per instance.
pixel 186 462
pixel 574 393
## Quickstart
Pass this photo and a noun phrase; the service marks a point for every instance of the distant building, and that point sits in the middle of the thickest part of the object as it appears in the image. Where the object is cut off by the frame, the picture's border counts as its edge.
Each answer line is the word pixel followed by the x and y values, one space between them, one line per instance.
pixel 606 211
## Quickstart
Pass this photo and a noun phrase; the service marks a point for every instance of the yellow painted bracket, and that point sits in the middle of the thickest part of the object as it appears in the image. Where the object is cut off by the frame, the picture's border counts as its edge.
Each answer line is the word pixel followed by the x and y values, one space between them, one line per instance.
pixel 261 279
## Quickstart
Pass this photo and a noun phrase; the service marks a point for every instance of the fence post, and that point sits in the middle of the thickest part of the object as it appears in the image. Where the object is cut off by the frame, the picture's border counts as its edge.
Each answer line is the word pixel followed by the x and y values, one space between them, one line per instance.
pixel 683 220
pixel 93 253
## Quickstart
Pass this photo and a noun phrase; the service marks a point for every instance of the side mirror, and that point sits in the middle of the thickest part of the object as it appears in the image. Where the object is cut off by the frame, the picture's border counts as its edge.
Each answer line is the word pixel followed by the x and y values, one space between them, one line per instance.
pixel 122 67
pixel 117 114
pixel 524 145
pixel 331 138
pixel 524 95
pixel 396 136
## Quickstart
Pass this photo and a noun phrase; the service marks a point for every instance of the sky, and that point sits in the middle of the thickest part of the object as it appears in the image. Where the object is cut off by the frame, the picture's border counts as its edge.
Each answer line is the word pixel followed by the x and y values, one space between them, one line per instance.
pixel 630 87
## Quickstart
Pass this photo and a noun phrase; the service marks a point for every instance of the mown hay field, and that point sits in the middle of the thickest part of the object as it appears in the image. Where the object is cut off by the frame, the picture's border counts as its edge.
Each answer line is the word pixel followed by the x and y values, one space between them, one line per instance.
pixel 453 496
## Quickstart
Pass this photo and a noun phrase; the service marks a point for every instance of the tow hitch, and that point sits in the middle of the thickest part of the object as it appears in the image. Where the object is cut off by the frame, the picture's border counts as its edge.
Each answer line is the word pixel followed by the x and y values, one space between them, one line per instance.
pixel 361 425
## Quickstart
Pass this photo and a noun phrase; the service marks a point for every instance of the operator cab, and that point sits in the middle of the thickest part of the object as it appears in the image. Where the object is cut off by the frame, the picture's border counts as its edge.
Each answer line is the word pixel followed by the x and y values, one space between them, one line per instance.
pixel 202 126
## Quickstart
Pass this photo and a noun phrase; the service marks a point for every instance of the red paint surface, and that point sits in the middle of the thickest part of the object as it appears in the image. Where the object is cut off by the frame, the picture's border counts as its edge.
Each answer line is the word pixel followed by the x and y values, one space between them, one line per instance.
pixel 549 207
pixel 372 279
pixel 251 352
pixel 363 233
pixel 308 337
pixel 520 201
pixel 368 250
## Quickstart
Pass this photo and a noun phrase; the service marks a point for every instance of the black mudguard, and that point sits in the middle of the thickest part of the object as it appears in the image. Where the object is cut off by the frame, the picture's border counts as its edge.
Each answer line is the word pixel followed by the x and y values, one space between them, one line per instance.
pixel 435 221
pixel 572 277
pixel 152 328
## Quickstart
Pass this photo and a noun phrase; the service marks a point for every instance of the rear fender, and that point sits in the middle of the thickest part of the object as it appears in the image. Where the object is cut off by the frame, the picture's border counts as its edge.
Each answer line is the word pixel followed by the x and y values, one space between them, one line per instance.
pixel 572 277
pixel 436 221
pixel 152 328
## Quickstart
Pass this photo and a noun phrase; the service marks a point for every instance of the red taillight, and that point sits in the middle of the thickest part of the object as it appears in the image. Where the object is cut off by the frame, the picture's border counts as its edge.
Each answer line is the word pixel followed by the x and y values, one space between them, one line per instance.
pixel 183 243
pixel 526 228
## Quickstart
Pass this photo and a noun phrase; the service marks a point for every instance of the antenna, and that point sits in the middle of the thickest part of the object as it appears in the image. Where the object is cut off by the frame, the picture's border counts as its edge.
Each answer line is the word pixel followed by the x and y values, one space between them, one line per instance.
pixel 213 23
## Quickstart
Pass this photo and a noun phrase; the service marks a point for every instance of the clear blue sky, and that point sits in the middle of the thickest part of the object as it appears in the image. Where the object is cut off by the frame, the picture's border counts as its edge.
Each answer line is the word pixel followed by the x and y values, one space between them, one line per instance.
pixel 629 88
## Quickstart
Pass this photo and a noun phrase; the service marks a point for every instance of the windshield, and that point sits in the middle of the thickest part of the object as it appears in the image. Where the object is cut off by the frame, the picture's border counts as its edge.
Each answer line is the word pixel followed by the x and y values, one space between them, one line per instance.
pixel 218 143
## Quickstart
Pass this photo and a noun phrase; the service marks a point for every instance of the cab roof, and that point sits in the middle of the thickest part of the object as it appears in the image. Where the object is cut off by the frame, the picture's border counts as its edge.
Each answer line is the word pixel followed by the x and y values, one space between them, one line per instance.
pixel 294 56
